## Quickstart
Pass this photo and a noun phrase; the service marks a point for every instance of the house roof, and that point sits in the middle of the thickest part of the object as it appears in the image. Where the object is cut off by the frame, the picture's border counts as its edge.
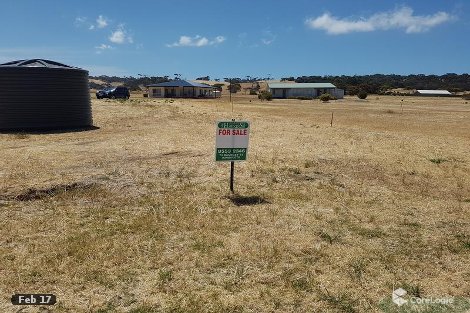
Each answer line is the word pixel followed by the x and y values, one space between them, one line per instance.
pixel 300 85
pixel 433 92
pixel 180 83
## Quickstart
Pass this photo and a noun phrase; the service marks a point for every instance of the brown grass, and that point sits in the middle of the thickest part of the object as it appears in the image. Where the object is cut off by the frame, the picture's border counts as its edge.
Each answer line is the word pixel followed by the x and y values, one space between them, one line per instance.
pixel 136 215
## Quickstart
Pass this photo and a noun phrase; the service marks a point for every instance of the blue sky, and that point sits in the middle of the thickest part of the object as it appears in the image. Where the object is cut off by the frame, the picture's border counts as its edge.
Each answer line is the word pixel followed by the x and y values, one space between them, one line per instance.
pixel 228 38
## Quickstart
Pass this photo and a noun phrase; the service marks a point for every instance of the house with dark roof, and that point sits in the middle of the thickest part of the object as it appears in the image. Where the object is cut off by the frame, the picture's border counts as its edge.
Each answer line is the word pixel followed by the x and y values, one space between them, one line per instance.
pixel 181 89
pixel 312 90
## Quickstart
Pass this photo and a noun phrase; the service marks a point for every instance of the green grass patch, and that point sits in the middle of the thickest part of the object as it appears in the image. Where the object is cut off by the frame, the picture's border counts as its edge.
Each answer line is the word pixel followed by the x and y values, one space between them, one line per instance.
pixel 357 268
pixel 342 301
pixel 464 241
pixel 438 160
pixel 329 238
pixel 165 275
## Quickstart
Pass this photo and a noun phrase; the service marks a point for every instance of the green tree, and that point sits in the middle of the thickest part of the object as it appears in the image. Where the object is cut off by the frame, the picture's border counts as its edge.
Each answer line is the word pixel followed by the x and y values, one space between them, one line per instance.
pixel 234 87
pixel 362 94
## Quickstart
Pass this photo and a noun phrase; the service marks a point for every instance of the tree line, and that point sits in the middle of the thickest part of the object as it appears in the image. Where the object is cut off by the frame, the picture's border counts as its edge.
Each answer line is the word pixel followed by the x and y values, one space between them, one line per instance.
pixel 383 83
pixel 372 84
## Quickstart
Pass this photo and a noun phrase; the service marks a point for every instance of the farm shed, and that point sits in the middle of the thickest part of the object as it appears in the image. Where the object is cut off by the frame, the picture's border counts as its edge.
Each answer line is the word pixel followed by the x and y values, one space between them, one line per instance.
pixel 422 92
pixel 41 94
pixel 181 89
pixel 293 90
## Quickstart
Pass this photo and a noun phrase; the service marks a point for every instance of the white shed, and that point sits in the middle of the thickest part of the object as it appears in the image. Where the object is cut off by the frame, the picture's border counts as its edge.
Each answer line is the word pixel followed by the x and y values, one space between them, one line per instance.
pixel 313 90
pixel 423 92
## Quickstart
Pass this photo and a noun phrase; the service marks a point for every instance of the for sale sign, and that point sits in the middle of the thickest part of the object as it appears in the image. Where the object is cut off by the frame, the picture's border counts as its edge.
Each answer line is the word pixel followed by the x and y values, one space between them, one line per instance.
pixel 231 142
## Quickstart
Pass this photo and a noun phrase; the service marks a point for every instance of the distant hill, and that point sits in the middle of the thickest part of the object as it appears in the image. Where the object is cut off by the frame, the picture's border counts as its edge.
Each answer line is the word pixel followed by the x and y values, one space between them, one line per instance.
pixel 133 83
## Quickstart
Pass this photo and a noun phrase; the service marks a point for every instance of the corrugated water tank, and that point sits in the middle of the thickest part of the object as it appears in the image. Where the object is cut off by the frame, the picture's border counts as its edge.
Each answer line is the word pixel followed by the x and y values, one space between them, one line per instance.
pixel 43 95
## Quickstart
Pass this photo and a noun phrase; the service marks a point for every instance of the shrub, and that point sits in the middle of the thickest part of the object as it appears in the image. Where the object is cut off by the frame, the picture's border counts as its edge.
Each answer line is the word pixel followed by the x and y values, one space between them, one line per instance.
pixel 325 97
pixel 265 95
pixel 362 94
pixel 253 92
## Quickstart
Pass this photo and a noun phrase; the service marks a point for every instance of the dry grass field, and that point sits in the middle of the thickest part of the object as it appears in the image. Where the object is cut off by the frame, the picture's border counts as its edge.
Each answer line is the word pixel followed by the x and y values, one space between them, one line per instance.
pixel 136 216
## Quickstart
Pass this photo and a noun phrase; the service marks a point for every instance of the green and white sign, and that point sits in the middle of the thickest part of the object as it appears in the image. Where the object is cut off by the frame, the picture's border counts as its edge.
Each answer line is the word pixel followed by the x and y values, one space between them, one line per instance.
pixel 231 143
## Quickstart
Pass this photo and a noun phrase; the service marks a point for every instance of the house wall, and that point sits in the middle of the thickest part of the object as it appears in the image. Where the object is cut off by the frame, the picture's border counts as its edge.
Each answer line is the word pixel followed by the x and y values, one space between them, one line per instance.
pixel 297 92
pixel 306 92
pixel 173 92
pixel 179 92
pixel 277 93
pixel 195 92
pixel 156 92
pixel 338 93
pixel 302 92
pixel 204 92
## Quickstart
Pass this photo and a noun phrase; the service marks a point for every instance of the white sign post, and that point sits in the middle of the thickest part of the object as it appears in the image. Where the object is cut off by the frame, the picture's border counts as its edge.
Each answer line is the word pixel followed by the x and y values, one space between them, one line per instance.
pixel 231 143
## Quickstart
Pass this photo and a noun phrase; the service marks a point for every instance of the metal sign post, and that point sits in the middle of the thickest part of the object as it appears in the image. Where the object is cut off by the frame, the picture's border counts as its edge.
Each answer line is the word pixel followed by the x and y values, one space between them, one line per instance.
pixel 232 170
pixel 231 143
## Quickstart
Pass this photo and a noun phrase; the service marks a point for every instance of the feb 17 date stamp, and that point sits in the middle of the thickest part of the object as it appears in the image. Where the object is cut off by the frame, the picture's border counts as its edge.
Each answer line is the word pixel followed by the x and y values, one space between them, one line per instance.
pixel 33 299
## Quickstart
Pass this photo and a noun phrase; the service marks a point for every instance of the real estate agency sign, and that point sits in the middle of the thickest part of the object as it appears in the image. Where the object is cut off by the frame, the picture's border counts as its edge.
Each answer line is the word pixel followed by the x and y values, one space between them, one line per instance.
pixel 231 143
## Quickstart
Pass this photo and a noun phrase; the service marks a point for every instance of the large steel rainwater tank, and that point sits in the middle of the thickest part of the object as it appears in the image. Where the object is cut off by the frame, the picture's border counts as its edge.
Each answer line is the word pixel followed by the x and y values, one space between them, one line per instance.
pixel 43 95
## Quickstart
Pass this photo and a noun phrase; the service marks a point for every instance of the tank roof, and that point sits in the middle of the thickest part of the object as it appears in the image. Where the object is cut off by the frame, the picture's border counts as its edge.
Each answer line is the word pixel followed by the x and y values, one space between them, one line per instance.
pixel 37 63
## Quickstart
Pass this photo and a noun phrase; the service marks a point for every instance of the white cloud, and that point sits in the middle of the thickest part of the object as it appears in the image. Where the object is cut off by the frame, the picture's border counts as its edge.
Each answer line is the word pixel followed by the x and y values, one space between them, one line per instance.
pixel 120 36
pixel 101 22
pixel 197 41
pixel 219 39
pixel 81 21
pixel 401 18
pixel 268 37
pixel 103 47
